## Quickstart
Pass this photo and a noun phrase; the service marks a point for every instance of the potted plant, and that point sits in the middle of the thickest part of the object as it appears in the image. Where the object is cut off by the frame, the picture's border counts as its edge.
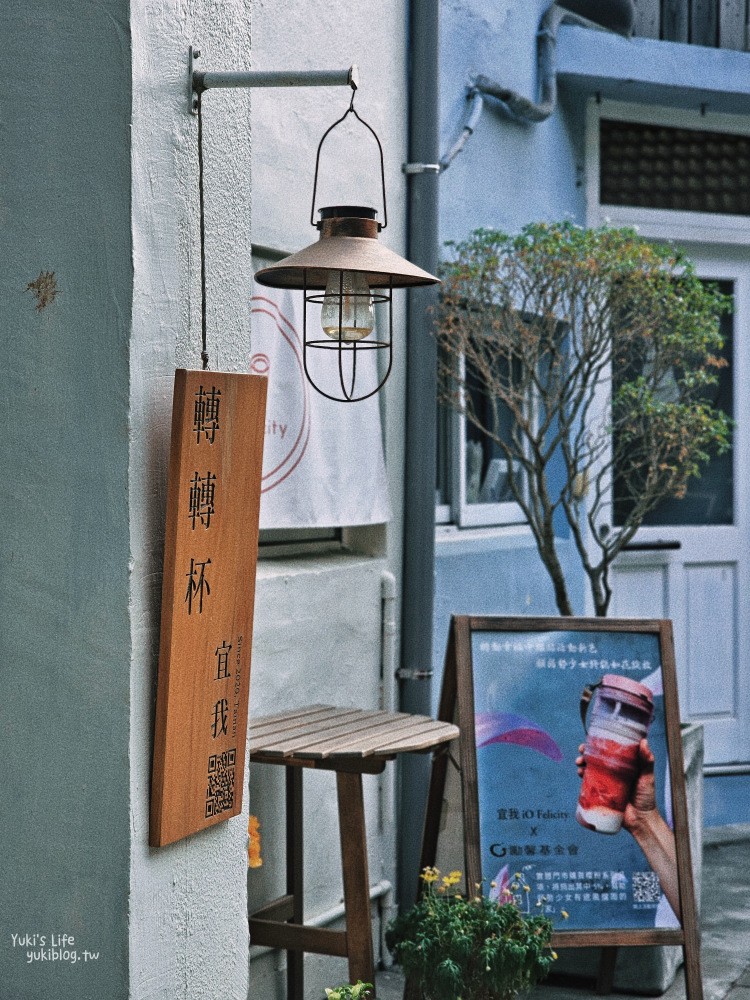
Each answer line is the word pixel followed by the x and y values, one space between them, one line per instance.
pixel 360 991
pixel 470 947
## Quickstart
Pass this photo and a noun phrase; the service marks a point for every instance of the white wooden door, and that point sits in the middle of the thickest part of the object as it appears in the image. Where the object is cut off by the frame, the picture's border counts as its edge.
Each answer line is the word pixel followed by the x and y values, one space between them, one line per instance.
pixel 692 562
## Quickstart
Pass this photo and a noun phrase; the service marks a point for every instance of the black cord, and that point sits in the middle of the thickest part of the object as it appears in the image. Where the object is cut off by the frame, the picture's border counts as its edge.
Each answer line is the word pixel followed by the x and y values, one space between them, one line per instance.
pixel 204 347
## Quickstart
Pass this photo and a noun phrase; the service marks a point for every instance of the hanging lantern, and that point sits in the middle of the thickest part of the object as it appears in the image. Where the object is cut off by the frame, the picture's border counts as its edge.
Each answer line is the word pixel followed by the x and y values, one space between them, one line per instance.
pixel 346 272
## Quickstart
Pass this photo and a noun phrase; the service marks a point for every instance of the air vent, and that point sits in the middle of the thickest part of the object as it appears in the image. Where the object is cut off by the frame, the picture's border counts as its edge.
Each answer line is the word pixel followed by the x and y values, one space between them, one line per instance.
pixel 688 170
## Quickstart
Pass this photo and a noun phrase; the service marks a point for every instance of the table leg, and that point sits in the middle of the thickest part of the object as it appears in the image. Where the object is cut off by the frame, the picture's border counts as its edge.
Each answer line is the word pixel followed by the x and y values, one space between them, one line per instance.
pixel 356 877
pixel 606 976
pixel 294 871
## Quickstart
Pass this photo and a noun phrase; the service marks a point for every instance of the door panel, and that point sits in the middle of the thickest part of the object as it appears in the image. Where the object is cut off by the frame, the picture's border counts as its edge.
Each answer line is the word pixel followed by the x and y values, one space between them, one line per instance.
pixel 639 587
pixel 711 644
pixel 703 585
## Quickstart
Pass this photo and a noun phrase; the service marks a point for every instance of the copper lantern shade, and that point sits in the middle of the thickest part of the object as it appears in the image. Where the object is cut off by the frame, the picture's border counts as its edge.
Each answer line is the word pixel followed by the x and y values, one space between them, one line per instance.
pixel 347 272
pixel 348 244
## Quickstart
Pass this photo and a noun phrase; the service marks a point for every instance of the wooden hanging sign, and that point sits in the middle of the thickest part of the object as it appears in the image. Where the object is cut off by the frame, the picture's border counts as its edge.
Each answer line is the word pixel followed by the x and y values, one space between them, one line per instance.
pixel 210 555
pixel 596 839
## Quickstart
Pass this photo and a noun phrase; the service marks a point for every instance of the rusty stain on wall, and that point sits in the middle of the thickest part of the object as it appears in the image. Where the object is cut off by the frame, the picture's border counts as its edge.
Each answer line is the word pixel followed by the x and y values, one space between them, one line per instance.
pixel 44 288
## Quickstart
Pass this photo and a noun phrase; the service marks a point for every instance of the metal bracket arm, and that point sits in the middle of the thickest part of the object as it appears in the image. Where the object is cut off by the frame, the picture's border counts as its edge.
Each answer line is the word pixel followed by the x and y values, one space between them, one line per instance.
pixel 200 80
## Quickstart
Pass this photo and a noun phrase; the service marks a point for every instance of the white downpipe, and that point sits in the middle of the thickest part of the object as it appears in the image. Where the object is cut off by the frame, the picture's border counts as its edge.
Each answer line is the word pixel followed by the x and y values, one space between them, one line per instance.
pixel 387 790
pixel 388 666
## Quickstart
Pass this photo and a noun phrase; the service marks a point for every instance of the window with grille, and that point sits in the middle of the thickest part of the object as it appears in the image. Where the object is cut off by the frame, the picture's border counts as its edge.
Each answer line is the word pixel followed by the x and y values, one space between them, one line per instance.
pixel 689 170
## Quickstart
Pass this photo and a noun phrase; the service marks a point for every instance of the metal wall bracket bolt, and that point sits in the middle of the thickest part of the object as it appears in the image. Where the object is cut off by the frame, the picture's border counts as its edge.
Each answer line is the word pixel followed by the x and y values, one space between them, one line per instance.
pixel 200 80
pixel 421 168
pixel 406 674
pixel 193 55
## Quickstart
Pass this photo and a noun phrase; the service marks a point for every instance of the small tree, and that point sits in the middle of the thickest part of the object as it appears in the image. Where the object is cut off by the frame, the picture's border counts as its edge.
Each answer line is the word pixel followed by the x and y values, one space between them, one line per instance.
pixel 599 347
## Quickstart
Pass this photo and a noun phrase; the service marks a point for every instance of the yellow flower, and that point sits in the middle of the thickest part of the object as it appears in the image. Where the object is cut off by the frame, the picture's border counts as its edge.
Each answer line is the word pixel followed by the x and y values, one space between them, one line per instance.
pixel 430 875
pixel 554 955
pixel 565 914
pixel 517 875
pixel 493 885
pixel 527 888
pixel 452 879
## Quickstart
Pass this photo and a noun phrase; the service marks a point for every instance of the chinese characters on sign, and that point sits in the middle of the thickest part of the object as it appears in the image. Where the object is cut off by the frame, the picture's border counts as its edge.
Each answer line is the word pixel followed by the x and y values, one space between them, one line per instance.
pixel 568 796
pixel 207 601
pixel 562 655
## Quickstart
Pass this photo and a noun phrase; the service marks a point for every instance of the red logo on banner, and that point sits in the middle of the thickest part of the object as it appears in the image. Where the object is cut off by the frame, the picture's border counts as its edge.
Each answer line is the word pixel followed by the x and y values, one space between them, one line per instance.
pixel 288 412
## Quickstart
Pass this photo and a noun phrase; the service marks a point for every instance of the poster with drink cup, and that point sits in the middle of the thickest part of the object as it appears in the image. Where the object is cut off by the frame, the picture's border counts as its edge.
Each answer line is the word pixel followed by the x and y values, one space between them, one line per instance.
pixel 573 776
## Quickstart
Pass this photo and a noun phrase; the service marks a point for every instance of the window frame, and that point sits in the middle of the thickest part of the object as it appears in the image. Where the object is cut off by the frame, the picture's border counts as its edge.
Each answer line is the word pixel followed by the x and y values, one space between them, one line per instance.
pixel 661 223
pixel 452 438
pixel 703 234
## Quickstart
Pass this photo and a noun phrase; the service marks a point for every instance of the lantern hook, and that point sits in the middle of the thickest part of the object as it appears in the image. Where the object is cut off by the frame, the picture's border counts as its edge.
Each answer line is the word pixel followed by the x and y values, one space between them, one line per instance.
pixel 350 111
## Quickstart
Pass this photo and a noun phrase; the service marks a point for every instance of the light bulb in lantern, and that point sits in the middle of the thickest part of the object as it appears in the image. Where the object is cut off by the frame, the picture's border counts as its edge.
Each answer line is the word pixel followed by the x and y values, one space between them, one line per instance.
pixel 356 318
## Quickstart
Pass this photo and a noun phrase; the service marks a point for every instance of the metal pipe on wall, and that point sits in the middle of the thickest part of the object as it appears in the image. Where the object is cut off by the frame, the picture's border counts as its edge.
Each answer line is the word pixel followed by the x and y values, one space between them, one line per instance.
pixel 420 455
pixel 422 173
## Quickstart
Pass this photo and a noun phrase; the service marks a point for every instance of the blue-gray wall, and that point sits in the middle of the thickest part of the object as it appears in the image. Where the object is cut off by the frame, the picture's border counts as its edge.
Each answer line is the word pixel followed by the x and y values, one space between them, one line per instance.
pixel 507 175
pixel 510 174
pixel 497 576
pixel 64 641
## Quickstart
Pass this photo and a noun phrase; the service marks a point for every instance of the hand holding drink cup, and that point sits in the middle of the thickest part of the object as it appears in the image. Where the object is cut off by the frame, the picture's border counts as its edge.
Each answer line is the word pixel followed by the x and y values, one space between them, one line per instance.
pixel 621 714
pixel 618 788
pixel 643 796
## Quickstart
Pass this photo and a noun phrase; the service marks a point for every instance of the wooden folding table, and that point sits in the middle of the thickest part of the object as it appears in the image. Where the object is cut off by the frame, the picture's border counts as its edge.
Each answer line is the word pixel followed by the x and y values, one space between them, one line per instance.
pixel 350 742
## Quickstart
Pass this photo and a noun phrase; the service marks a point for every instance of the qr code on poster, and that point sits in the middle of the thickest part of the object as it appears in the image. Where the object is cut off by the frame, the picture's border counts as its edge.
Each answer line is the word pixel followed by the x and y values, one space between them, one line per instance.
pixel 646 888
pixel 220 791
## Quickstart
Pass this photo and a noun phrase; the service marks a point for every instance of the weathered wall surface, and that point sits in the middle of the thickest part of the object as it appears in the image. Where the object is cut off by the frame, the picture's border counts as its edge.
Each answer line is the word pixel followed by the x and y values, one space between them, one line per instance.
pixel 318 619
pixel 188 910
pixel 317 640
pixel 64 639
pixel 104 220
pixel 500 575
pixel 508 174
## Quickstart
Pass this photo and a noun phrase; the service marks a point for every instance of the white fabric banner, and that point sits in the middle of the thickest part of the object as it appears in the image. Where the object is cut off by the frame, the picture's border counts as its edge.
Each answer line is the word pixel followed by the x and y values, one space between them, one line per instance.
pixel 323 461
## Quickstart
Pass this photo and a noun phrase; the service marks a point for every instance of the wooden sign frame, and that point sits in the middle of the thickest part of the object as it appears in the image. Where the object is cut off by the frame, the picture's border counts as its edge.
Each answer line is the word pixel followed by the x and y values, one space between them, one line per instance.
pixel 457 704
pixel 208 588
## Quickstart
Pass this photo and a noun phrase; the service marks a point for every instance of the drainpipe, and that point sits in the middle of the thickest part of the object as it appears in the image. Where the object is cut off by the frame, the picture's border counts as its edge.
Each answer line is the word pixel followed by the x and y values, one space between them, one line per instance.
pixel 422 170
pixel 614 15
pixel 420 458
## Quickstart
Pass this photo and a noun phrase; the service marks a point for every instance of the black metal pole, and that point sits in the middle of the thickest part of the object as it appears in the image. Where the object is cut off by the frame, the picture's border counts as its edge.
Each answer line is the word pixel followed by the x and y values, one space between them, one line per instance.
pixel 420 461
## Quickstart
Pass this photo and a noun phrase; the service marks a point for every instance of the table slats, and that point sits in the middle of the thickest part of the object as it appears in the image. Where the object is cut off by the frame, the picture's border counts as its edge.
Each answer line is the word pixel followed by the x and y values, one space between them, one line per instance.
pixel 323 732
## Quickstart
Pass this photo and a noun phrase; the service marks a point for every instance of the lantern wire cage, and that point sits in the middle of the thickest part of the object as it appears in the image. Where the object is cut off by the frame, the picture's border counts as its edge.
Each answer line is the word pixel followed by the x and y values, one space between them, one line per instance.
pixel 348 347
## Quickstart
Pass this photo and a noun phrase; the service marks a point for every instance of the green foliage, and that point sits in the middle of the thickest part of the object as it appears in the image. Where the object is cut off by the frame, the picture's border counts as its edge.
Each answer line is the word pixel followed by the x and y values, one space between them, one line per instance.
pixel 360 991
pixel 471 948
pixel 601 347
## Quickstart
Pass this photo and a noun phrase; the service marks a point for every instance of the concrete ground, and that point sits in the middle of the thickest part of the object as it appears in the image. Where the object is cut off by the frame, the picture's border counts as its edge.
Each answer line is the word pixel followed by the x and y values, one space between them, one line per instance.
pixel 725 925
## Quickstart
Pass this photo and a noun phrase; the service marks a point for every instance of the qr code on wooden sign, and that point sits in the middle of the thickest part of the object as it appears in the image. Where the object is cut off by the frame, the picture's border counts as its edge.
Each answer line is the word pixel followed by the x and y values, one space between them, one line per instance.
pixel 646 888
pixel 220 791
